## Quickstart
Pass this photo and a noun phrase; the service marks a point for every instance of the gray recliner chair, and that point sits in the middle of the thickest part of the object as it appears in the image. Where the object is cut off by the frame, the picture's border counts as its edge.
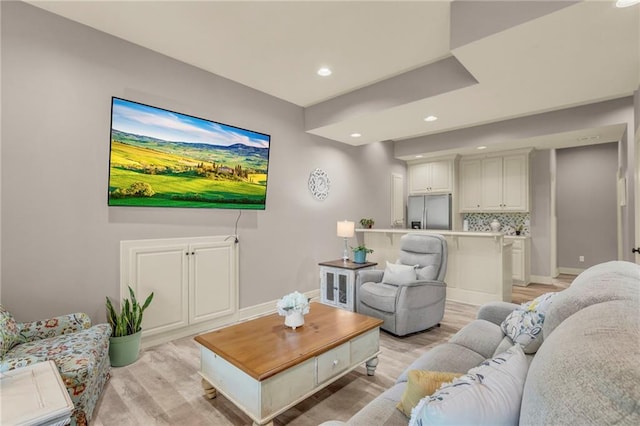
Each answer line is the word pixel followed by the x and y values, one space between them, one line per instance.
pixel 412 305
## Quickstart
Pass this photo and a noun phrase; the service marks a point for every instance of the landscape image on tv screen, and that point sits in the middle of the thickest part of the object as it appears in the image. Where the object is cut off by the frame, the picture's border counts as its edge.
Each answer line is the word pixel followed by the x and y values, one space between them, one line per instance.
pixel 161 158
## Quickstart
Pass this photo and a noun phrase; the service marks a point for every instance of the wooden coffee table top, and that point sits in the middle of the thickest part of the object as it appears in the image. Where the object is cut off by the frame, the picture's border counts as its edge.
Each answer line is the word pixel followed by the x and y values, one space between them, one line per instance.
pixel 264 346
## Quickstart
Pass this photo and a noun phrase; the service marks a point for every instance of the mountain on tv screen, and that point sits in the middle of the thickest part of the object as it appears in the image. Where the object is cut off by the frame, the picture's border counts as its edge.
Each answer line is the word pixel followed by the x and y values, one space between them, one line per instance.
pixel 161 158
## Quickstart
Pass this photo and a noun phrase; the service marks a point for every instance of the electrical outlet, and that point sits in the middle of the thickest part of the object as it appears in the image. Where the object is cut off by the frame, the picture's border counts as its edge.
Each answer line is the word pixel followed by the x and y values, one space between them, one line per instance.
pixel 581 258
pixel 527 222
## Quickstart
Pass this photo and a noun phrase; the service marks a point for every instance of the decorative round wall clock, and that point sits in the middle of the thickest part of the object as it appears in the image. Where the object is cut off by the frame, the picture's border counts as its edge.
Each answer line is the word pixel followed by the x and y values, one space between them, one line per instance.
pixel 319 184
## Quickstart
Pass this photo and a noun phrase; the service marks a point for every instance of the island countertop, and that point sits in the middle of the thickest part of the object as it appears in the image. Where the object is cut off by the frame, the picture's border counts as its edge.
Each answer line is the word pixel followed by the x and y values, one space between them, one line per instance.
pixel 432 231
pixel 479 264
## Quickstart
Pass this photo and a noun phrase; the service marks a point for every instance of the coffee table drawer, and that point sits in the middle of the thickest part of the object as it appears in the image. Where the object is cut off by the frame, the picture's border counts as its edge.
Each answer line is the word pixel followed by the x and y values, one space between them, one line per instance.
pixel 287 386
pixel 333 362
pixel 365 346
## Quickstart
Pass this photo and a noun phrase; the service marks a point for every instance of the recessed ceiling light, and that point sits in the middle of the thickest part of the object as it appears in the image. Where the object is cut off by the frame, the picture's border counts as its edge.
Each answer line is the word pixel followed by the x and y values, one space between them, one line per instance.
pixel 355 135
pixel 324 72
pixel 626 3
pixel 418 156
pixel 481 147
pixel 431 118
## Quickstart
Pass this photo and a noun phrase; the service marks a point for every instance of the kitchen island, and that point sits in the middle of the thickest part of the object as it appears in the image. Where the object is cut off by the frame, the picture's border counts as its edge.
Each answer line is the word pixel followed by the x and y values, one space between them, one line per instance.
pixel 479 268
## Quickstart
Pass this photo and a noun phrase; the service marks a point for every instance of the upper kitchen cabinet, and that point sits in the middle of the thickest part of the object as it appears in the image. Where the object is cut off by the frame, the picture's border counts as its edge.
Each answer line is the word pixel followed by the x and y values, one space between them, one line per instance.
pixel 471 185
pixel 430 177
pixel 495 183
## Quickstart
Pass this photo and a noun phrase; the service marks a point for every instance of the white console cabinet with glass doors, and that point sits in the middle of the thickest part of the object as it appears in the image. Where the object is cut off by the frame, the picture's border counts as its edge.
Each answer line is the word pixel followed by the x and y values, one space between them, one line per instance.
pixel 338 281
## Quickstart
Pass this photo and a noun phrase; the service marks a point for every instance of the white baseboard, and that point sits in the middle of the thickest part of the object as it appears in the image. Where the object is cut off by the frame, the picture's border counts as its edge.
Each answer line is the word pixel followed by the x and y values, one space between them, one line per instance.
pixel 243 314
pixel 570 271
pixel 541 279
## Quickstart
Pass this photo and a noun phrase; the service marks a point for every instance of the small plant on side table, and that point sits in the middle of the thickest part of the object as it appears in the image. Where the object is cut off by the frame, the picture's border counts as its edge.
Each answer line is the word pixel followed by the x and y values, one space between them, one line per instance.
pixel 360 253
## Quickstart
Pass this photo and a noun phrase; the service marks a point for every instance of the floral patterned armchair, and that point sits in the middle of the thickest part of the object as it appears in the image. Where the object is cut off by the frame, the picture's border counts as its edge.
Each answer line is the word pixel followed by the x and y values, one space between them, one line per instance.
pixel 80 351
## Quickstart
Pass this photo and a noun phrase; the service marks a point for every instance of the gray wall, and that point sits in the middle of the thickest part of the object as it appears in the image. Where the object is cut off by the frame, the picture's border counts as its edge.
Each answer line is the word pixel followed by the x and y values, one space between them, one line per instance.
pixel 586 204
pixel 60 241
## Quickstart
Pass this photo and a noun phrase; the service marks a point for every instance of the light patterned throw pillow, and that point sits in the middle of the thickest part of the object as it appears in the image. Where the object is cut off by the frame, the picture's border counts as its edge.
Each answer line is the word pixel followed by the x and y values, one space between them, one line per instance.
pixel 421 383
pixel 397 273
pixel 490 394
pixel 524 324
pixel 9 332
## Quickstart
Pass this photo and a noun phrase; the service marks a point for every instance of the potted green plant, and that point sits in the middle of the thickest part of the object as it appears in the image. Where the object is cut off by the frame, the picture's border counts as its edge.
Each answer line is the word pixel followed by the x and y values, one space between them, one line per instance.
pixel 367 222
pixel 360 253
pixel 126 329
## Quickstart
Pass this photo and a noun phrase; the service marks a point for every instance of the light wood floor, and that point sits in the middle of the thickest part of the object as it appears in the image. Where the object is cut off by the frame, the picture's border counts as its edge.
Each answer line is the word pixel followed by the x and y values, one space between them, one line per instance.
pixel 163 387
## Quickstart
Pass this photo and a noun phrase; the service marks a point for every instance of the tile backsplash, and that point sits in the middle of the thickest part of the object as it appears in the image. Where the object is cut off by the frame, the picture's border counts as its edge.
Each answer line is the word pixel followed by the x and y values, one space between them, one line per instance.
pixel 480 222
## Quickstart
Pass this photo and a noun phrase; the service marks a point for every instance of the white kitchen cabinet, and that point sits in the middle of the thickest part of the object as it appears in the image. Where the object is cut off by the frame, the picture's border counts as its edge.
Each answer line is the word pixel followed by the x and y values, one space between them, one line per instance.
pixel 471 185
pixel 521 262
pixel 431 177
pixel 194 280
pixel 495 183
pixel 515 183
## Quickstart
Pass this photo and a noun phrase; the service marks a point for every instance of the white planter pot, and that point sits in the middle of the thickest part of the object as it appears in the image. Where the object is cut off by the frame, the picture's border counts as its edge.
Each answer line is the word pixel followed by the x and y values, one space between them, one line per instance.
pixel 294 319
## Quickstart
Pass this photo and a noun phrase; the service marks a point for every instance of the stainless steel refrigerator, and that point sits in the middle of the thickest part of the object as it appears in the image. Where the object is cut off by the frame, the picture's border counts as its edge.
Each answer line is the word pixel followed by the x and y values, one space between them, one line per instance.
pixel 429 211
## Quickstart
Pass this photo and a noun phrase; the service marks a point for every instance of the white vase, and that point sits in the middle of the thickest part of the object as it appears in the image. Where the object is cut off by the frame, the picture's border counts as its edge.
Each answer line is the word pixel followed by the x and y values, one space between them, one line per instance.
pixel 294 319
pixel 495 225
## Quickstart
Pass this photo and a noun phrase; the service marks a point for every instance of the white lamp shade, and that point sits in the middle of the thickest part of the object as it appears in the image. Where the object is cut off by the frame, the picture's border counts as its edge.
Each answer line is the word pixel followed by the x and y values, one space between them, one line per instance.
pixel 346 229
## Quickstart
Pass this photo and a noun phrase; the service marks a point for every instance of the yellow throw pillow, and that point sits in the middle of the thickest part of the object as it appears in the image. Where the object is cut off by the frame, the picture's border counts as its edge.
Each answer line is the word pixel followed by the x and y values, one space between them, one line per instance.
pixel 422 383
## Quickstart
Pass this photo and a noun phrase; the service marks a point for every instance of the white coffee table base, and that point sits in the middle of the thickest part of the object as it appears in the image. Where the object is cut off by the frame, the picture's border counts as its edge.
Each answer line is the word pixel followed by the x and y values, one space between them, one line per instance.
pixel 264 400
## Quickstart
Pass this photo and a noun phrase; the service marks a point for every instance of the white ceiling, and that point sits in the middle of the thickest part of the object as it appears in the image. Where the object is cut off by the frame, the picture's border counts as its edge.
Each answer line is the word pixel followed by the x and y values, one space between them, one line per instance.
pixel 583 53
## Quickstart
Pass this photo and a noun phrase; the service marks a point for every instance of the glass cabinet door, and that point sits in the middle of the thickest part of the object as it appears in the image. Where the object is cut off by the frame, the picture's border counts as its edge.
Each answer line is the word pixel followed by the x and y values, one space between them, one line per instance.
pixel 329 290
pixel 342 289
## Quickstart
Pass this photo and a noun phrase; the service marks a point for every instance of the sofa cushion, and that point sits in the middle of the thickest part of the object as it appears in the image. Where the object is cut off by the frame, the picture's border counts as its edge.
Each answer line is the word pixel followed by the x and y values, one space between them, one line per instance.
pixel 422 383
pixel 614 280
pixel 480 336
pixel 586 372
pixel 524 324
pixel 445 357
pixel 396 273
pixel 76 355
pixel 9 332
pixel 488 394
pixel 382 410
pixel 379 296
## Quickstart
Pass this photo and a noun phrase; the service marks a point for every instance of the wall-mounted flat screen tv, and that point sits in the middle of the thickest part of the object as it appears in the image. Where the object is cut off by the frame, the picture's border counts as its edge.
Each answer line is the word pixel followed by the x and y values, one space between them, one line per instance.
pixel 161 158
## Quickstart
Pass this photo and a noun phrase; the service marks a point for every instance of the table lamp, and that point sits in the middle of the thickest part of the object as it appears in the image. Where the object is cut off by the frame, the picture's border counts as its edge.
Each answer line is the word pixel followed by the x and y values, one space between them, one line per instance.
pixel 346 230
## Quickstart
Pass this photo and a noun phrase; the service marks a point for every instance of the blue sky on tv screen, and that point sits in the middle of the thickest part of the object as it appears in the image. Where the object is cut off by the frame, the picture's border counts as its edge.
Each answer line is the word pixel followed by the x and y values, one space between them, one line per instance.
pixel 132 117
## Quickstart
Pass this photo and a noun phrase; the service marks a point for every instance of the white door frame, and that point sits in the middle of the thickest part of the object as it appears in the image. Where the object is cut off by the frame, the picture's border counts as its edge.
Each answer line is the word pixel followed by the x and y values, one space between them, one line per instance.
pixel 637 204
pixel 553 221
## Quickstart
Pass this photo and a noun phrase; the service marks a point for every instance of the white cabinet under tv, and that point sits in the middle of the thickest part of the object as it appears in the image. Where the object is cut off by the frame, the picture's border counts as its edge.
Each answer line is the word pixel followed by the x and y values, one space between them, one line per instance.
pixel 194 280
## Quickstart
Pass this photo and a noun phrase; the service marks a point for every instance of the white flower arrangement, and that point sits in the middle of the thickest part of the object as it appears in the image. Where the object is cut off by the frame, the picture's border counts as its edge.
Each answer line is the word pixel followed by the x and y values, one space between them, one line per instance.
pixel 293 302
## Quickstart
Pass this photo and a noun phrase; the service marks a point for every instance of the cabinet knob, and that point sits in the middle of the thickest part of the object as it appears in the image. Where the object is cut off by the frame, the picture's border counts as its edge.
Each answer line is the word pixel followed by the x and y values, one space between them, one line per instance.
pixel 335 362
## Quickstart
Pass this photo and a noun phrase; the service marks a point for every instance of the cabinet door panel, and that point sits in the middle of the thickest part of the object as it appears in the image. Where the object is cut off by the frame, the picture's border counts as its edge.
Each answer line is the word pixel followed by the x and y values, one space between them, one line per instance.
pixel 470 185
pixel 164 271
pixel 515 194
pixel 211 281
pixel 518 265
pixel 418 178
pixel 441 176
pixel 492 183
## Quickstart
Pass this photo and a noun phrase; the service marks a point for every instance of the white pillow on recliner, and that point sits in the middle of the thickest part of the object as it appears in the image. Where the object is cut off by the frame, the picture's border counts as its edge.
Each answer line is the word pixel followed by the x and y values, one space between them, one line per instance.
pixel 397 273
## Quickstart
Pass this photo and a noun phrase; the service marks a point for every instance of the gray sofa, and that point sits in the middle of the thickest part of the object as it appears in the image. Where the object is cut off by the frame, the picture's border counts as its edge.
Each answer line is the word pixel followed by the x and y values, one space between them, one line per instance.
pixel 587 370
